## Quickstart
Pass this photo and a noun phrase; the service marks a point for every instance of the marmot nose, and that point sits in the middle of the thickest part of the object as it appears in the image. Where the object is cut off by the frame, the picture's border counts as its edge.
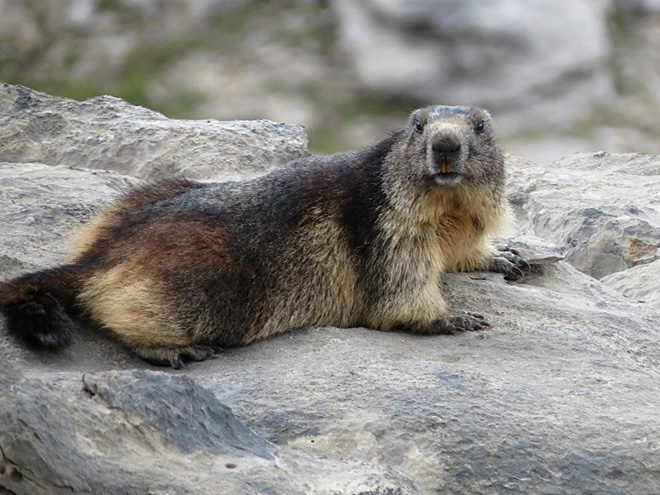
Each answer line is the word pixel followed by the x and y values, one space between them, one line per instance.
pixel 446 145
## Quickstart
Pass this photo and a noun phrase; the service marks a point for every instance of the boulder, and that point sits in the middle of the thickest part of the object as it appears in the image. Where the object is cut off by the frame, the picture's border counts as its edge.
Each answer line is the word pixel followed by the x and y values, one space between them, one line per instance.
pixel 43 206
pixel 600 208
pixel 639 283
pixel 128 432
pixel 554 398
pixel 109 134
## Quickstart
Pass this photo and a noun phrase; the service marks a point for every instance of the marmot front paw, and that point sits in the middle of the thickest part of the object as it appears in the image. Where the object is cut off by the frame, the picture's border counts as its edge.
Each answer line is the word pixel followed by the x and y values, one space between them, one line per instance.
pixel 465 321
pixel 509 262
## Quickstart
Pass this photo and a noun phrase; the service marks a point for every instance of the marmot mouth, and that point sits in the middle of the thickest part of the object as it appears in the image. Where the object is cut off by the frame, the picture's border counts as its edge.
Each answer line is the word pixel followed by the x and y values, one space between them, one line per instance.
pixel 446 167
pixel 447 178
pixel 446 172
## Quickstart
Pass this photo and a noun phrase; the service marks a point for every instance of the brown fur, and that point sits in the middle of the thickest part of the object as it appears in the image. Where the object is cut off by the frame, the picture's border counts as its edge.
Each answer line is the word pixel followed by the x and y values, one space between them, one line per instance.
pixel 176 268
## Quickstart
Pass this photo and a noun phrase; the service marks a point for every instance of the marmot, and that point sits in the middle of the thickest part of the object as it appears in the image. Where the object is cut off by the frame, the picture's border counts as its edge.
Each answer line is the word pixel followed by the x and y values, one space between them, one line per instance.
pixel 177 269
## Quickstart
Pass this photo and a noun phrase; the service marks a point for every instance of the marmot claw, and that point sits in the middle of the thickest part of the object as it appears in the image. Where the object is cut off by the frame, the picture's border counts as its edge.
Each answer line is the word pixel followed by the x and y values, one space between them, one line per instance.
pixel 509 262
pixel 465 321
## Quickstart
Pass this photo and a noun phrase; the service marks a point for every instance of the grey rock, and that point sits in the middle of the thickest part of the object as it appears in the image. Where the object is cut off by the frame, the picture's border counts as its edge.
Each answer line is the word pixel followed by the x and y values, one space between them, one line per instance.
pixel 109 134
pixel 601 209
pixel 515 58
pixel 43 206
pixel 639 283
pixel 532 249
pixel 149 432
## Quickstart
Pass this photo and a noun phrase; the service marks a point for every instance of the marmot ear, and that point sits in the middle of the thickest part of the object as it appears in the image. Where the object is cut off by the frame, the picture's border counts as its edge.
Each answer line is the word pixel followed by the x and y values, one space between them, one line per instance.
pixel 419 126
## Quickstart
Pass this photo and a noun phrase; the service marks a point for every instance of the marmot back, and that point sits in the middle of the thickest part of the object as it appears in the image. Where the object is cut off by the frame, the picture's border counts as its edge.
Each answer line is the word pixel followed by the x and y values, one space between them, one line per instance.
pixel 176 269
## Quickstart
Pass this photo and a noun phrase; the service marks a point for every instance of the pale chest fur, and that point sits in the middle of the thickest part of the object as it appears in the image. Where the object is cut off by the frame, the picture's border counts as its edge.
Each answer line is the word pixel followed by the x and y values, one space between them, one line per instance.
pixel 438 233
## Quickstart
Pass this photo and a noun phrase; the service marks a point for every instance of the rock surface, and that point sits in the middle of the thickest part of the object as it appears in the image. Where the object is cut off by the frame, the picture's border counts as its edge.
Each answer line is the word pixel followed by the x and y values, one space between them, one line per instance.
pixel 150 432
pixel 602 209
pixel 109 134
pixel 555 398
pixel 639 283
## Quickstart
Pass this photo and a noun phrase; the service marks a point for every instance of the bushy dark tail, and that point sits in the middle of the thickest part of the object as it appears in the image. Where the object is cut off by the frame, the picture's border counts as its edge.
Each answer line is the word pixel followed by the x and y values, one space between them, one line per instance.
pixel 35 306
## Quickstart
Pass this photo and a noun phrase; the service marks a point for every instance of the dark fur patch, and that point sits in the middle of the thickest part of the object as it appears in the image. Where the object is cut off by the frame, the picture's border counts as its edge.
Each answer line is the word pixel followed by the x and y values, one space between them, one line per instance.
pixel 35 306
pixel 364 196
pixel 184 237
pixel 129 216
pixel 477 224
pixel 364 199
pixel 36 317
pixel 141 197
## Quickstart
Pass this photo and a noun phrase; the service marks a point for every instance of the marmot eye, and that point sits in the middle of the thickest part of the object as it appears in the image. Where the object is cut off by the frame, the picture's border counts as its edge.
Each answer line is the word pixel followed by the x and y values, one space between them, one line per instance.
pixel 480 126
pixel 419 127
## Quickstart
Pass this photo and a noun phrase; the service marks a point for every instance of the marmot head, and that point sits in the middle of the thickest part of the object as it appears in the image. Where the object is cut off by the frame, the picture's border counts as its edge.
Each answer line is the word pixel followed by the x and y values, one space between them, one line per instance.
pixel 445 146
